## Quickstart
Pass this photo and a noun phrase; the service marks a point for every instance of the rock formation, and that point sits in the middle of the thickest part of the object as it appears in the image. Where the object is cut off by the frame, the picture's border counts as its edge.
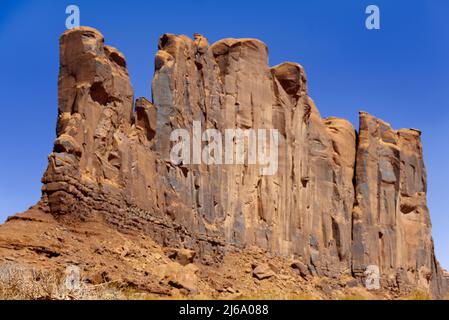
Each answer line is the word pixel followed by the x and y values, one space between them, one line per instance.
pixel 339 202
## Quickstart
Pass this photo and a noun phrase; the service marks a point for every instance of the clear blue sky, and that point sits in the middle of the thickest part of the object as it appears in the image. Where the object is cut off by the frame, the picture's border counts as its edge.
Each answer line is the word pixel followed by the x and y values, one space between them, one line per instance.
pixel 400 73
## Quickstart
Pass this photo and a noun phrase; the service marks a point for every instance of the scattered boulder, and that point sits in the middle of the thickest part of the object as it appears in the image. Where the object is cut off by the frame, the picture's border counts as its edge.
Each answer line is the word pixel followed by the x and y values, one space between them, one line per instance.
pixel 301 268
pixel 182 256
pixel 263 271
pixel 99 277
pixel 184 281
pixel 352 283
pixel 325 287
pixel 183 278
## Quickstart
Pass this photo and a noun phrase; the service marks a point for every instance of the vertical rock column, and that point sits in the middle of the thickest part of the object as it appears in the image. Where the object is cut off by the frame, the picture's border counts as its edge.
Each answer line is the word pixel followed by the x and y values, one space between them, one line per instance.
pixel 95 110
pixel 391 222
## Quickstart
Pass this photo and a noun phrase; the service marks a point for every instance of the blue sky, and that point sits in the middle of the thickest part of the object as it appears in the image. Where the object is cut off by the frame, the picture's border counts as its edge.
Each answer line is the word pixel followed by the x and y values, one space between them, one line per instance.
pixel 399 73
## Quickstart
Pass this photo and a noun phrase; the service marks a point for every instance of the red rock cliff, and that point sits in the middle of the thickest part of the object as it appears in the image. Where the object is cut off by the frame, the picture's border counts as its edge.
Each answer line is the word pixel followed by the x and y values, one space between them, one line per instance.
pixel 340 201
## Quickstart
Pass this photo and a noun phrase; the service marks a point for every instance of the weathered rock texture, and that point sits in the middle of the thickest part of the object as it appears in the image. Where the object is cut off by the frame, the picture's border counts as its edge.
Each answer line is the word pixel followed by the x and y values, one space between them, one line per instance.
pixel 391 222
pixel 111 162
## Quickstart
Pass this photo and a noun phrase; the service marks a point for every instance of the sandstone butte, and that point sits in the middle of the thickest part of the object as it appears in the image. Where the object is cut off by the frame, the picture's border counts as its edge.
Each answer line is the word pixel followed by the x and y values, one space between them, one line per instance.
pixel 115 205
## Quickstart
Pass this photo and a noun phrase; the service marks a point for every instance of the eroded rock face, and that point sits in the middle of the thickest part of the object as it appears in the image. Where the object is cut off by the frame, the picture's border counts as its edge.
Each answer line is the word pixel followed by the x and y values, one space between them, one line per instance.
pixel 391 222
pixel 111 160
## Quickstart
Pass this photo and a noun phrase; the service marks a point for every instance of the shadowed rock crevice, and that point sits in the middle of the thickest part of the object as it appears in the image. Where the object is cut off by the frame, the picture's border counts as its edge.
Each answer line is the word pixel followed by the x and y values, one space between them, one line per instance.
pixel 98 94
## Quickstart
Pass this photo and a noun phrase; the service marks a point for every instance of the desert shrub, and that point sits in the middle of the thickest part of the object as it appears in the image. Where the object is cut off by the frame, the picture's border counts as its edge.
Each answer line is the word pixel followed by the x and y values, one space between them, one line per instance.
pixel 26 283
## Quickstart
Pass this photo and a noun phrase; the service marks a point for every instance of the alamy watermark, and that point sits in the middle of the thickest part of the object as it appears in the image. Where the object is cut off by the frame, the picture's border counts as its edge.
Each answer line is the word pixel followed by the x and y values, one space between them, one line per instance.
pixel 372 22
pixel 73 20
pixel 239 146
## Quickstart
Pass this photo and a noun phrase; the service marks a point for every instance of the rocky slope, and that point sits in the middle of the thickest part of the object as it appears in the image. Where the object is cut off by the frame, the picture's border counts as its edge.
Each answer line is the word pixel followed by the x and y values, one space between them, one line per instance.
pixel 339 204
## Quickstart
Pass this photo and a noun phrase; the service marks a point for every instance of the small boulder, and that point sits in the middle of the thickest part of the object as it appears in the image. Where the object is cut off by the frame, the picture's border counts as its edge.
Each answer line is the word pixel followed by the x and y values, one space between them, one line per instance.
pixel 352 283
pixel 263 271
pixel 182 256
pixel 301 268
pixel 325 287
pixel 183 278
pixel 185 281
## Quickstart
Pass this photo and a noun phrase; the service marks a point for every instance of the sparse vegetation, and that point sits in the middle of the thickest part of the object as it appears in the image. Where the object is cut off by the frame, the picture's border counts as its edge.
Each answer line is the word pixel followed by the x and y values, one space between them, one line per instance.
pixel 354 297
pixel 418 295
pixel 26 283
pixel 276 295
